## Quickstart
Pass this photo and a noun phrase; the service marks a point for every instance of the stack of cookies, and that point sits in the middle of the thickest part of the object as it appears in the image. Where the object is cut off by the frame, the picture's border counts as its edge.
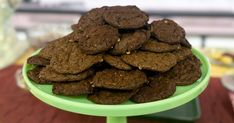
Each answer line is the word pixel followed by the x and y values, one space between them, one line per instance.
pixel 114 54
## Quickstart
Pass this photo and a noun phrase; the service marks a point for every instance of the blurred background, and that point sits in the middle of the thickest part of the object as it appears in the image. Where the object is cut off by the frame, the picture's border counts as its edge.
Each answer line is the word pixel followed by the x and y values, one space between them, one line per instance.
pixel 26 25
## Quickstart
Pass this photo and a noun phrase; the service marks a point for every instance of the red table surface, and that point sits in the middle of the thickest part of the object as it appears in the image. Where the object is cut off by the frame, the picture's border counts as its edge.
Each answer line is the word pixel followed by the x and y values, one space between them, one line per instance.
pixel 19 106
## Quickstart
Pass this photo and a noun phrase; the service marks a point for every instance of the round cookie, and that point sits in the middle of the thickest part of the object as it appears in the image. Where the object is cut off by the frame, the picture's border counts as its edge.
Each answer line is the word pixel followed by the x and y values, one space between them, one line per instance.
pixel 92 18
pixel 73 88
pixel 37 60
pixel 48 74
pixel 116 62
pixel 52 47
pixel 111 96
pixel 119 79
pixel 158 88
pixel 167 31
pixel 125 17
pixel 182 53
pixel 34 75
pixel 71 60
pixel 130 41
pixel 153 45
pixel 186 72
pixel 151 61
pixel 97 39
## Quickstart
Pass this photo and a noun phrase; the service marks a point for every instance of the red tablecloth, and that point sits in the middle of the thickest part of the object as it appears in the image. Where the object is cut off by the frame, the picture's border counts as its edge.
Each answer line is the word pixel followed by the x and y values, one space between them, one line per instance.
pixel 19 106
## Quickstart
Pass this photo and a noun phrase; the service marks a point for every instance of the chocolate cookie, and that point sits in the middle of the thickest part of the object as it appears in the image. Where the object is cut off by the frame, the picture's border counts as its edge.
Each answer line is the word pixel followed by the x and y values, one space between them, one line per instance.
pixel 74 36
pixel 186 43
pixel 130 41
pixel 92 18
pixel 73 88
pixel 37 60
pixel 111 96
pixel 48 74
pixel 34 75
pixel 117 62
pixel 154 45
pixel 182 53
pixel 50 49
pixel 119 79
pixel 53 46
pixel 125 17
pixel 69 59
pixel 97 39
pixel 158 88
pixel 186 72
pixel 151 61
pixel 167 31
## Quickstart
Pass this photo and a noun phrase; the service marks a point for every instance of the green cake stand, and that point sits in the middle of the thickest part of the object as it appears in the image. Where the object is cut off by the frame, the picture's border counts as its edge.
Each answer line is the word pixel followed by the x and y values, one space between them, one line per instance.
pixel 119 113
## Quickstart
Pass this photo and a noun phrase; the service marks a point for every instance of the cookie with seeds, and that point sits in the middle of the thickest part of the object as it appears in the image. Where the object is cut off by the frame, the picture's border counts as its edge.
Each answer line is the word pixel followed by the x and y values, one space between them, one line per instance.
pixel 153 45
pixel 92 18
pixel 34 75
pixel 116 62
pixel 151 61
pixel 48 74
pixel 186 72
pixel 73 88
pixel 119 79
pixel 98 39
pixel 71 60
pixel 130 41
pixel 158 88
pixel 37 60
pixel 167 31
pixel 52 47
pixel 125 17
pixel 182 53
pixel 110 96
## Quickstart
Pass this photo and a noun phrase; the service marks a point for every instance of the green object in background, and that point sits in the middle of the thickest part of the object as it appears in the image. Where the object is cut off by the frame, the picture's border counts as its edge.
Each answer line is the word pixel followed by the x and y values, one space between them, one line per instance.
pixel 118 113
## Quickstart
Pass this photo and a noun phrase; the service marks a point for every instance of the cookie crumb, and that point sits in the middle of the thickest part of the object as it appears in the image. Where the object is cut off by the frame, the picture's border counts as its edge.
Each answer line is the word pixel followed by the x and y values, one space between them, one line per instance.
pixel 128 52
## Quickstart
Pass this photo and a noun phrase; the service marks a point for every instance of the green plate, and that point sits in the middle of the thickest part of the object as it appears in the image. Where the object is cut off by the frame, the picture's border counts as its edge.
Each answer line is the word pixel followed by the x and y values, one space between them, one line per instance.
pixel 118 113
